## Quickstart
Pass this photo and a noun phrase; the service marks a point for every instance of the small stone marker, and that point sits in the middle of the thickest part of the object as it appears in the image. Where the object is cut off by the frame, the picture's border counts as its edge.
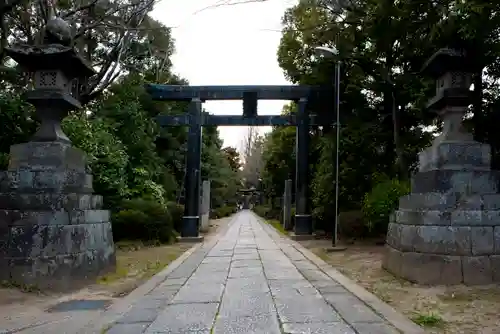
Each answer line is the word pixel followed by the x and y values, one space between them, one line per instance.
pixel 205 206
pixel 287 206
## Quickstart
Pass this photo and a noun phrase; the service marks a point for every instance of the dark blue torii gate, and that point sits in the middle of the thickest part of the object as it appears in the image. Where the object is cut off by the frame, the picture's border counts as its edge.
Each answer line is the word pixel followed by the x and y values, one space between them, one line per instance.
pixel 250 95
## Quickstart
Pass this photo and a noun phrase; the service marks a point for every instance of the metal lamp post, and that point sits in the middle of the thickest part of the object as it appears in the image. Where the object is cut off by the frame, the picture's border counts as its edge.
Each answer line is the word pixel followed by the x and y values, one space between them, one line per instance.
pixel 329 53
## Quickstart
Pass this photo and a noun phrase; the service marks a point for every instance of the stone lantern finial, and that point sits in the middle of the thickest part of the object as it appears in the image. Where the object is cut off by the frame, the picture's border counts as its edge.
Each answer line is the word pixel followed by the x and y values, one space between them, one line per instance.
pixel 57 31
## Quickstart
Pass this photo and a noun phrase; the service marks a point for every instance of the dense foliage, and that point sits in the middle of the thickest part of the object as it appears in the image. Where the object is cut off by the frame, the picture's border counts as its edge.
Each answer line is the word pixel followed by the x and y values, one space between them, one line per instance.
pixel 137 166
pixel 382 46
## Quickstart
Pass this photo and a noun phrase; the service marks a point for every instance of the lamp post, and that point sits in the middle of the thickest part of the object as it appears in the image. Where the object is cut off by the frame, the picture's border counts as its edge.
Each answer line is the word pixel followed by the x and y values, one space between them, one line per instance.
pixel 330 53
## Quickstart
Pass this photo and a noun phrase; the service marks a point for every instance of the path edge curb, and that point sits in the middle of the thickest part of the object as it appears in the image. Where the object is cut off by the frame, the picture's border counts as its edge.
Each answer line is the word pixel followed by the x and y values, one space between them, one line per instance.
pixel 121 306
pixel 391 315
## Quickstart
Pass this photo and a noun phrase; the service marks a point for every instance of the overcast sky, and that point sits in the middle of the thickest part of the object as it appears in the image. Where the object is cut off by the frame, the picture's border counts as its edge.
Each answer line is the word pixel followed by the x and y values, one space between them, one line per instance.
pixel 227 45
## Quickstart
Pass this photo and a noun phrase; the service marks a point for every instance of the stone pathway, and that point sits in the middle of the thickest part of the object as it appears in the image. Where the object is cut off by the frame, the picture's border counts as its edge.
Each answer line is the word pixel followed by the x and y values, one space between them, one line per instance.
pixel 249 281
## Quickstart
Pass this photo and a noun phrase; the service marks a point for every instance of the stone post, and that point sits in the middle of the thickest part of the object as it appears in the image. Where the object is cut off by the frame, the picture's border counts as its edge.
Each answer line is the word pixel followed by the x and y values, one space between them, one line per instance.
pixel 205 206
pixel 287 206
pixel 54 232
pixel 303 219
pixel 191 218
pixel 447 230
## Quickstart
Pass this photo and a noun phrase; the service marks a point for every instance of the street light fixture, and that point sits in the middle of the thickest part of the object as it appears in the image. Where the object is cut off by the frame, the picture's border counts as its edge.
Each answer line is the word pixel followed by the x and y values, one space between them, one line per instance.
pixel 330 53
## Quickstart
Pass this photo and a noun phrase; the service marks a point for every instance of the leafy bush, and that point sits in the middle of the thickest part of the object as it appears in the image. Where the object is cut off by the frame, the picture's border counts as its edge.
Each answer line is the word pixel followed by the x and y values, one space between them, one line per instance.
pixel 176 212
pixel 142 219
pixel 261 210
pixel 269 213
pixel 381 202
pixel 105 154
pixel 351 224
pixel 4 161
pixel 223 211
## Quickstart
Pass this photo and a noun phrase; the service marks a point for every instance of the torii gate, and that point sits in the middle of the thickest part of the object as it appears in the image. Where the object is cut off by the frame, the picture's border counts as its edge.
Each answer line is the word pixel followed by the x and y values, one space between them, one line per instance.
pixel 250 95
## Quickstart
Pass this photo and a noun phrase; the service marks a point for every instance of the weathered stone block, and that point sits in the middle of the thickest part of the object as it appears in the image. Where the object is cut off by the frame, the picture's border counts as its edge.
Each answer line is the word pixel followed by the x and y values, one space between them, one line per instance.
pixel 394 235
pixel 392 260
pixel 495 267
pixel 54 201
pixel 463 155
pixel 88 216
pixel 61 272
pixel 51 240
pixel 431 269
pixel 491 202
pixel 428 201
pixel 482 240
pixel 422 217
pixel 474 217
pixel 446 240
pixel 28 181
pixel 462 181
pixel 477 270
pixel 46 155
pixel 496 240
pixel 407 238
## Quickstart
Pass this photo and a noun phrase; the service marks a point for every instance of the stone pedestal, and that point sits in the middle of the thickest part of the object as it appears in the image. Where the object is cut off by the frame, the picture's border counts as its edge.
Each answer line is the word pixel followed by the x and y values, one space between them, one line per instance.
pixel 447 231
pixel 53 231
pixel 205 206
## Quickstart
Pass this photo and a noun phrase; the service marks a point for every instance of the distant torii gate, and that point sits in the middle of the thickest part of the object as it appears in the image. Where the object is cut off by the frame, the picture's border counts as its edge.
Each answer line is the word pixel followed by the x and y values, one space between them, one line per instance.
pixel 250 95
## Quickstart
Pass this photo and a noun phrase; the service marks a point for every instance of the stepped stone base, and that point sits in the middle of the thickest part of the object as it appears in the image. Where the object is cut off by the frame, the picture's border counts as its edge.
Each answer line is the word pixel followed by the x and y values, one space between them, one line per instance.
pixel 53 231
pixel 447 231
pixel 440 269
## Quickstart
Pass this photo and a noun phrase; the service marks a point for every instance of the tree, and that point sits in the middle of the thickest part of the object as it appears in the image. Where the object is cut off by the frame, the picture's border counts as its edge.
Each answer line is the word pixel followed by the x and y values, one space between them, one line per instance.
pixel 252 167
pixel 233 157
pixel 115 36
pixel 381 114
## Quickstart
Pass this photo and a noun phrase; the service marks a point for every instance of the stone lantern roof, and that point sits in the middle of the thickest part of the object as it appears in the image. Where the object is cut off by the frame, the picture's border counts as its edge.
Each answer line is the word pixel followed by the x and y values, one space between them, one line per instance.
pixel 452 69
pixel 447 60
pixel 51 57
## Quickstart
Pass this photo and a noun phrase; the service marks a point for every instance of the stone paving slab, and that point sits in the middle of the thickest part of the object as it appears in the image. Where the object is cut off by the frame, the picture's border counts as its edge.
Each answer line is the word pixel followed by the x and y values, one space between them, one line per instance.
pixel 250 281
pixel 185 318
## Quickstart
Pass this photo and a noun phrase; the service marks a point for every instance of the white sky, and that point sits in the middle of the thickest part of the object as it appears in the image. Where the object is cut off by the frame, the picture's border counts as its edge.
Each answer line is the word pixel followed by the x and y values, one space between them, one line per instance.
pixel 227 45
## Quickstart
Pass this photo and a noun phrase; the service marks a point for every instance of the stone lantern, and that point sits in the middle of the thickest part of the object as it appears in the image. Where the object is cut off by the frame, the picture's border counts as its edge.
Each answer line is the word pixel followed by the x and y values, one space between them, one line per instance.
pixel 57 71
pixel 53 231
pixel 447 230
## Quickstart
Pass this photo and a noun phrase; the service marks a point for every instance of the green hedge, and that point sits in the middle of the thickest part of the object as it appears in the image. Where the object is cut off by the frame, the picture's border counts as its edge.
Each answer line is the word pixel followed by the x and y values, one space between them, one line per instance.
pixel 223 211
pixel 269 213
pixel 146 220
pixel 176 210
pixel 380 203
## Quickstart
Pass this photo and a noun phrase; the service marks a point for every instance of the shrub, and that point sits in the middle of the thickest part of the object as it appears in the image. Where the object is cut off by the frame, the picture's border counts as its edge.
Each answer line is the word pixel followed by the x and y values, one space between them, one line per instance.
pixel 380 203
pixel 142 219
pixel 261 210
pixel 351 224
pixel 269 213
pixel 176 211
pixel 223 211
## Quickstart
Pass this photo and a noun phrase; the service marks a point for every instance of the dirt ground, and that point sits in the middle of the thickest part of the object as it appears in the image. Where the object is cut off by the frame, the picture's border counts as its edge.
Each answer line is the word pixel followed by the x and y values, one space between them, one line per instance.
pixel 136 263
pixel 449 310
